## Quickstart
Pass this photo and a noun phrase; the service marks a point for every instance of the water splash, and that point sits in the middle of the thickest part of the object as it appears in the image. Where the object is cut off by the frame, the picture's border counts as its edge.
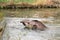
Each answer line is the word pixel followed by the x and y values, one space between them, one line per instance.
pixel 14 31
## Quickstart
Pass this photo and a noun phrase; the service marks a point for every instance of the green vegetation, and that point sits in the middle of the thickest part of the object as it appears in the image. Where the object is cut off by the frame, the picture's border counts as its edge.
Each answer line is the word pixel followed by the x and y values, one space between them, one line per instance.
pixel 4 0
pixel 26 0
pixel 30 1
pixel 12 4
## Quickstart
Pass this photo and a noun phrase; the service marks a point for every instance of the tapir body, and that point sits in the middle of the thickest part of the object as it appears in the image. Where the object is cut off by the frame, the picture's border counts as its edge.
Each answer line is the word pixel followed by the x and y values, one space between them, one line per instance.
pixel 34 24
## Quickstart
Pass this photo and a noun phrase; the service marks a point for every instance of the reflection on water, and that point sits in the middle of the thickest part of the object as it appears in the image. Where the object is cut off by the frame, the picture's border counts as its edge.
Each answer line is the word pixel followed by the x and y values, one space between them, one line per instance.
pixel 31 12
pixel 50 13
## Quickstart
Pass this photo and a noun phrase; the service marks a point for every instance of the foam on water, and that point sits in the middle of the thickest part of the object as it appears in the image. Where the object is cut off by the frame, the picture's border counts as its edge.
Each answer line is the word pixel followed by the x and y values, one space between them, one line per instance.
pixel 14 31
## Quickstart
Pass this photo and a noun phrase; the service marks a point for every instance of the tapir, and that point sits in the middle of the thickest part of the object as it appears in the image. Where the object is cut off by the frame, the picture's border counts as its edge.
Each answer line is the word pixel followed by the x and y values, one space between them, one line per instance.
pixel 33 24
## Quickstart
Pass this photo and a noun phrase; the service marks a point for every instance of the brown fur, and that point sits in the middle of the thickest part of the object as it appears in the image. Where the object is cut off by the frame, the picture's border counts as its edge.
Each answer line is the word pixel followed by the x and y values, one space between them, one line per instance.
pixel 34 24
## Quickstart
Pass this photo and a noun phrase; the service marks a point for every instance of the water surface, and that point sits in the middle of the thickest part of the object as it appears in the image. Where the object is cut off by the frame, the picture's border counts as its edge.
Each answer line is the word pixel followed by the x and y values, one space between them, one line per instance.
pixel 14 29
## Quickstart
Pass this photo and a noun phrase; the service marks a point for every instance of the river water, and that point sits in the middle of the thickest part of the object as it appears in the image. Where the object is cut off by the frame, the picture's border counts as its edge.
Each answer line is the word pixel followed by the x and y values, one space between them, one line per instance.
pixel 14 30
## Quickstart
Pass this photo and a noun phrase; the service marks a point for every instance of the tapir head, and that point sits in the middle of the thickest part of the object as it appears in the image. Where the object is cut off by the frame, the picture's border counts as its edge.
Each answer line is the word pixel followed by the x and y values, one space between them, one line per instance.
pixel 25 22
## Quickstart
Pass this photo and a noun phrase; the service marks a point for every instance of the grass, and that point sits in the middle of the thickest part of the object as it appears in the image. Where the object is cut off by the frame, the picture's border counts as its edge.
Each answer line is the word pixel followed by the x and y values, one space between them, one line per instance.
pixel 4 0
pixel 16 1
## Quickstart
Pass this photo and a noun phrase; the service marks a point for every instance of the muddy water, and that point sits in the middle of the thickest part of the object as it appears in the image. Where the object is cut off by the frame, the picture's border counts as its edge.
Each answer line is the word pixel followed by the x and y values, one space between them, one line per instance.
pixel 50 13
